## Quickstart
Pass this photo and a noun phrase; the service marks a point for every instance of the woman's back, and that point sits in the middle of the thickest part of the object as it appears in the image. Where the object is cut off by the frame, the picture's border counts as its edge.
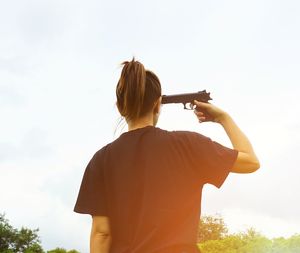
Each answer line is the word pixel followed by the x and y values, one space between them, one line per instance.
pixel 149 182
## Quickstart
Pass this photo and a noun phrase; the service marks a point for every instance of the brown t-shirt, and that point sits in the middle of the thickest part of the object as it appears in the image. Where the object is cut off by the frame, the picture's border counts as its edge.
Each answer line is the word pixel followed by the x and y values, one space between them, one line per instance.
pixel 149 183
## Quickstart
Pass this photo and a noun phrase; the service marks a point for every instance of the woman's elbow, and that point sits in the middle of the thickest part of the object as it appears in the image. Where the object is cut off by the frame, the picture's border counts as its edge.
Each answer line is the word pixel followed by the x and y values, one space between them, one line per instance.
pixel 255 166
pixel 248 166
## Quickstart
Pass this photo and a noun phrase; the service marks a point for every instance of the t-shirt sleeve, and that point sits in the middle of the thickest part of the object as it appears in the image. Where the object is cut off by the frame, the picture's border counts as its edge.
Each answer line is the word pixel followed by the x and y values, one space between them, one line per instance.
pixel 92 196
pixel 211 161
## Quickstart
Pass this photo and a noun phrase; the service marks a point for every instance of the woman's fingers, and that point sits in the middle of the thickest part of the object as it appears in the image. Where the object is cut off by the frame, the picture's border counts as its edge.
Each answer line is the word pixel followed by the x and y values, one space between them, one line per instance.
pixel 207 112
pixel 200 116
pixel 201 119
pixel 198 113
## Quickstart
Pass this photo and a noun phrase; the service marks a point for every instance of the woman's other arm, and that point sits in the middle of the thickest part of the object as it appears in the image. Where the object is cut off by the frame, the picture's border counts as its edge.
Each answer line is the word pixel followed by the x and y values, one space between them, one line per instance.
pixel 100 237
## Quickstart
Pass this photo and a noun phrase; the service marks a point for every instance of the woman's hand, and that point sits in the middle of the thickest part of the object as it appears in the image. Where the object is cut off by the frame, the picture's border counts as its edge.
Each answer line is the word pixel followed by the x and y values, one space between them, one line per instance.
pixel 208 112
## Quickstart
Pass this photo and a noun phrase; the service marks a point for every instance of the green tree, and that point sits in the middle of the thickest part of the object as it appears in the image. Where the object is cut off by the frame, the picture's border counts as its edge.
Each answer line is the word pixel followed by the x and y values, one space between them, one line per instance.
pixel 14 240
pixel 247 242
pixel 254 242
pixel 294 243
pixel 211 228
pixel 230 244
pixel 279 245
pixel 22 241
pixel 62 250
pixel 289 245
pixel 27 240
pixel 7 235
pixel 57 250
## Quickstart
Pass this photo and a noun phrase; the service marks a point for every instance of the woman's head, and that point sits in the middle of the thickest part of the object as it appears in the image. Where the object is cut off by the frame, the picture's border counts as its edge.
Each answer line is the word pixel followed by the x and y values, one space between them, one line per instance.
pixel 138 91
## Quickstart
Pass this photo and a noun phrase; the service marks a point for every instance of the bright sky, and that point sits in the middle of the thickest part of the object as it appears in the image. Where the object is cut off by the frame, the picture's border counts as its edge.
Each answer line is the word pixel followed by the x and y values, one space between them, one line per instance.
pixel 59 64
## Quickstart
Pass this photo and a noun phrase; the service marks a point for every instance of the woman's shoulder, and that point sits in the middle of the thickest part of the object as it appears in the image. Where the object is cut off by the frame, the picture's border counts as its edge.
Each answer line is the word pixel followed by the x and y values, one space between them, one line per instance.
pixel 184 134
pixel 154 134
pixel 99 154
pixel 179 137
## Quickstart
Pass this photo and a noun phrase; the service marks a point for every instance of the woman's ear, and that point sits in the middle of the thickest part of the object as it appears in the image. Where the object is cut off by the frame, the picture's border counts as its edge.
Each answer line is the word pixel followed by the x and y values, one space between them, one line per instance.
pixel 157 106
pixel 119 109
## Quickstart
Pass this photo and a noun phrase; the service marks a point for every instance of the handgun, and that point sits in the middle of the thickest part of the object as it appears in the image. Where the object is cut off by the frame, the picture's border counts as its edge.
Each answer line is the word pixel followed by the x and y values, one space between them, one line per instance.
pixel 187 99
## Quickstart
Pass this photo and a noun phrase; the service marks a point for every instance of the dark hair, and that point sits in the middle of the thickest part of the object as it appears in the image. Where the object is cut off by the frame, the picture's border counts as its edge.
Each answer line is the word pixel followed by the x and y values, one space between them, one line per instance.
pixel 137 90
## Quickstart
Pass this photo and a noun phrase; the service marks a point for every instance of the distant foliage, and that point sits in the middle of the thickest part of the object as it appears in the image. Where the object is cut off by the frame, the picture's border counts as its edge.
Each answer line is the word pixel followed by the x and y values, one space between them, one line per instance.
pixel 249 242
pixel 24 240
pixel 61 250
pixel 18 241
pixel 246 242
pixel 211 228
pixel 290 245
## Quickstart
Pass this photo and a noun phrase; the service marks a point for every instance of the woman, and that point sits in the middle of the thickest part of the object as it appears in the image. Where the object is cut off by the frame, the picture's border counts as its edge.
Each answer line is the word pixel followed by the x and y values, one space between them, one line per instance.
pixel 143 190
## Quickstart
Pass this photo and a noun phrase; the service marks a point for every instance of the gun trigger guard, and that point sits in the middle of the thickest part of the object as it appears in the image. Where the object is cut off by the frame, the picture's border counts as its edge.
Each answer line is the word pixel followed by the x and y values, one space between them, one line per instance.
pixel 187 108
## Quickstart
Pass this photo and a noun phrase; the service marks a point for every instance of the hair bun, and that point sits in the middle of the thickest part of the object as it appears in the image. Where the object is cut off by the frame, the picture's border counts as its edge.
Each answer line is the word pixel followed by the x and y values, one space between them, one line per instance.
pixel 131 89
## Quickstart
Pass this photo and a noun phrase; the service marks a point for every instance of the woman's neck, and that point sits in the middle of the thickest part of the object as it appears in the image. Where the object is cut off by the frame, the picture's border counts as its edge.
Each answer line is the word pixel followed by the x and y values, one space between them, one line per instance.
pixel 140 123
